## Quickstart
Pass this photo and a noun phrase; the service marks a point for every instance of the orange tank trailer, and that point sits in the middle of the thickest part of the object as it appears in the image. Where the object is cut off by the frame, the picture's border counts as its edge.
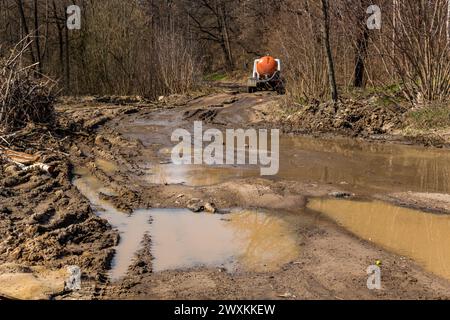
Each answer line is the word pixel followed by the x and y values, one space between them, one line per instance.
pixel 266 75
pixel 266 66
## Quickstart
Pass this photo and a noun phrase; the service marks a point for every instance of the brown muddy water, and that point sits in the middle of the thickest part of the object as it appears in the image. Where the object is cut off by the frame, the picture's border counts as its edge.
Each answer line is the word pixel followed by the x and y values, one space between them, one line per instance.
pixel 424 237
pixel 260 241
pixel 362 167
pixel 365 167
pixel 180 239
pixel 240 241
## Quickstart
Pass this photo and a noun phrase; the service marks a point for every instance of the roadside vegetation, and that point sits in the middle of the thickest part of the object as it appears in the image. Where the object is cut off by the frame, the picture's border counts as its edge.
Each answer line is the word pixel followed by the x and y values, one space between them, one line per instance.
pixel 26 97
pixel 430 117
pixel 160 47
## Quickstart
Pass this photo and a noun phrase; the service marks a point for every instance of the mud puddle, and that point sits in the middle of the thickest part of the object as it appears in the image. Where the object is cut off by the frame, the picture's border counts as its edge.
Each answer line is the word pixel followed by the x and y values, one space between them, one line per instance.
pixel 358 166
pixel 366 167
pixel 423 237
pixel 180 239
pixel 240 241
pixel 196 175
pixel 361 166
pixel 132 228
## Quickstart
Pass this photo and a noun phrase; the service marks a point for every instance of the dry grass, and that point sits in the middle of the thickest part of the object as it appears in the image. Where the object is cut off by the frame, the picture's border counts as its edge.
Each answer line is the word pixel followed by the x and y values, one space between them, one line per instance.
pixel 430 117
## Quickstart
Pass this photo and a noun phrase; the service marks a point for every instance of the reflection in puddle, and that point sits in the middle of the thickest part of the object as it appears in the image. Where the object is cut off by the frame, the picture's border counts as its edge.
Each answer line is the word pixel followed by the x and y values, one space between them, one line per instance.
pixel 365 166
pixel 197 175
pixel 131 227
pixel 269 240
pixel 91 187
pixel 181 239
pixel 249 240
pixel 362 166
pixel 424 237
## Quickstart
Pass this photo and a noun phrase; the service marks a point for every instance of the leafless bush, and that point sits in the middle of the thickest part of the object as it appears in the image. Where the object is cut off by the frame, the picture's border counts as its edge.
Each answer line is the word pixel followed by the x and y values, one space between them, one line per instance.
pixel 152 48
pixel 178 65
pixel 302 52
pixel 301 43
pixel 420 50
pixel 25 97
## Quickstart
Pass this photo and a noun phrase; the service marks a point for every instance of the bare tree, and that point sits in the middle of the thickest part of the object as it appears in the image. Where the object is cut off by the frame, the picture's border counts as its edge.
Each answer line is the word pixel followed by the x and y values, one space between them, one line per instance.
pixel 119 49
pixel 395 16
pixel 422 59
pixel 448 21
pixel 212 19
pixel 356 14
pixel 37 35
pixel 26 29
pixel 327 47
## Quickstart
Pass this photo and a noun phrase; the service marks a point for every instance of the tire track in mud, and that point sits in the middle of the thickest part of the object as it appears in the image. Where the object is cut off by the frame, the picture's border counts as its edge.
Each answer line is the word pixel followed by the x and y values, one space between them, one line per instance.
pixel 332 259
pixel 46 222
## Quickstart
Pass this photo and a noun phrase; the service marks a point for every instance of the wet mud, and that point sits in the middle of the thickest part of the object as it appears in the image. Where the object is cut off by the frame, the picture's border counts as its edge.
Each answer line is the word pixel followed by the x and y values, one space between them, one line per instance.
pixel 117 207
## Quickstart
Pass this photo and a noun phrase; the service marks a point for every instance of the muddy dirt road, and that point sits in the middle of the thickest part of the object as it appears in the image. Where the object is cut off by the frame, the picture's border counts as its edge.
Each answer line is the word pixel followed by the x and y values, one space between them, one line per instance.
pixel 289 236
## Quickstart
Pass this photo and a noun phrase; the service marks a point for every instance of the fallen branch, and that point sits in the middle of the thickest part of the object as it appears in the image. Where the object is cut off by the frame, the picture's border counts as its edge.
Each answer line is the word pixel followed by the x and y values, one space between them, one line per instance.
pixel 19 157
pixel 39 166
pixel 25 162
pixel 6 141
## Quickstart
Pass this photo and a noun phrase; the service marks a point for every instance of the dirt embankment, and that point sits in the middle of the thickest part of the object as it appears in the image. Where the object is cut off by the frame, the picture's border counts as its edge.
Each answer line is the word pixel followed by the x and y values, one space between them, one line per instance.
pixel 348 117
pixel 376 118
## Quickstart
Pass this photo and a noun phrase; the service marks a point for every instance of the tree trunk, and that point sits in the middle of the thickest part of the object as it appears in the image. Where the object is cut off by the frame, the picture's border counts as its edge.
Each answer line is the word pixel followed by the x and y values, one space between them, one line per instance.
pixel 59 27
pixel 36 34
pixel 227 37
pixel 327 47
pixel 229 63
pixel 361 53
pixel 25 27
pixel 448 22
pixel 222 25
pixel 47 33
pixel 394 25
pixel 67 65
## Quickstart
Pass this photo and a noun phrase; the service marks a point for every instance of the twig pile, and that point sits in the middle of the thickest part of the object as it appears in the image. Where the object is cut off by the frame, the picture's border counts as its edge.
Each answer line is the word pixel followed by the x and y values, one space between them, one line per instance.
pixel 25 96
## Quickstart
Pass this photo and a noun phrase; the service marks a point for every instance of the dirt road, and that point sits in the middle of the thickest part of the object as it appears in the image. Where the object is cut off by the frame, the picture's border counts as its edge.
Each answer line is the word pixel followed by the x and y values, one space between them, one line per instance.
pixel 270 237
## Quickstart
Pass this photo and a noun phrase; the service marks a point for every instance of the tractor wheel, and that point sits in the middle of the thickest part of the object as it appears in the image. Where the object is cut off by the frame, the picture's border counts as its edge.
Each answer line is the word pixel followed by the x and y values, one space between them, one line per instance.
pixel 280 88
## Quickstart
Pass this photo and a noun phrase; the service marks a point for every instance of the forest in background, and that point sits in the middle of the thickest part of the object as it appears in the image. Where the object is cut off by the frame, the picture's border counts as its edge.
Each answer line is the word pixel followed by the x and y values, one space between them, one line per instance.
pixel 161 47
